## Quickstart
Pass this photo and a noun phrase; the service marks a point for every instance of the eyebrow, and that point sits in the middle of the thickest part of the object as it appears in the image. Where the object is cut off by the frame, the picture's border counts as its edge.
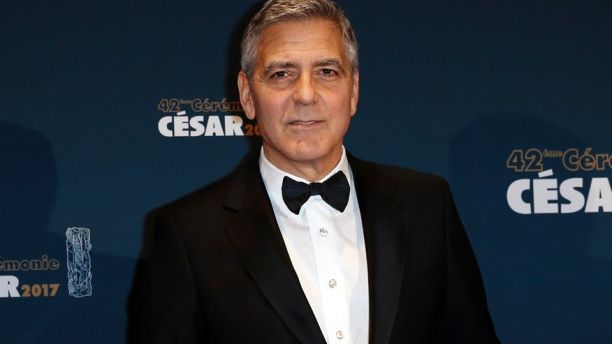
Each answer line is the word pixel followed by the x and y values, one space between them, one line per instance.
pixel 332 62
pixel 279 65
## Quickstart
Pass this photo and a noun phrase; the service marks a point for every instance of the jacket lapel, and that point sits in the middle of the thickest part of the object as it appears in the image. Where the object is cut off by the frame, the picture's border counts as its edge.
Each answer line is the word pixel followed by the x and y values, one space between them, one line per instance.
pixel 384 229
pixel 255 235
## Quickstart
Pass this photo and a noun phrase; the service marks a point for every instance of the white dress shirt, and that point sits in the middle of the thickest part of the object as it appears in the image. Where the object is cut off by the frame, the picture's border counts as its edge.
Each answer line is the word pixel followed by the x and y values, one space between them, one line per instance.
pixel 327 251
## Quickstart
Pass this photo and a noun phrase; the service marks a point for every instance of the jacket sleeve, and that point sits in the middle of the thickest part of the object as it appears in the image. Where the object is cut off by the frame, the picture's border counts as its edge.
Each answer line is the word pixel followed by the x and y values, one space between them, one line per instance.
pixel 465 317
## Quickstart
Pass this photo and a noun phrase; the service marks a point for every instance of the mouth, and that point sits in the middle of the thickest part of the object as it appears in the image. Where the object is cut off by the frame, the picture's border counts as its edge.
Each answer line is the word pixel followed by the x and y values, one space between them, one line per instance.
pixel 305 124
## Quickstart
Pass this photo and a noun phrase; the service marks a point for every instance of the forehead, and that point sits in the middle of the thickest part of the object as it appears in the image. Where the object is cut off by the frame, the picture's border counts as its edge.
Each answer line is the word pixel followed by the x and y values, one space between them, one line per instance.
pixel 295 38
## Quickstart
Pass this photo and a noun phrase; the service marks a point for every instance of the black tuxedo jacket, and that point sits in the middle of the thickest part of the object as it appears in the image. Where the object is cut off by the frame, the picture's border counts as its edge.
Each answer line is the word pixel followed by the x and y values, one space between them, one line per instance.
pixel 220 273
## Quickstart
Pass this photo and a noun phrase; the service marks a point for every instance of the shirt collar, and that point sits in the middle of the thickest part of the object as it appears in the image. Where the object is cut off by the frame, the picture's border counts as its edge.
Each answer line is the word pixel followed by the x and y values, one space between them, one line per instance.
pixel 273 178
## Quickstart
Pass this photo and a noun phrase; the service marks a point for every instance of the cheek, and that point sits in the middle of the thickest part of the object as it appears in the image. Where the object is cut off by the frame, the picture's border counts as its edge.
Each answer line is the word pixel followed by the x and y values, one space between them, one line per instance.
pixel 341 105
pixel 269 118
pixel 271 105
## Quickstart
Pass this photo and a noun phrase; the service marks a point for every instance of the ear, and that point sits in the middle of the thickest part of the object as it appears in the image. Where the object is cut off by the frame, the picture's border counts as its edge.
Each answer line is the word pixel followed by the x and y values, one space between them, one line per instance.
pixel 355 93
pixel 246 97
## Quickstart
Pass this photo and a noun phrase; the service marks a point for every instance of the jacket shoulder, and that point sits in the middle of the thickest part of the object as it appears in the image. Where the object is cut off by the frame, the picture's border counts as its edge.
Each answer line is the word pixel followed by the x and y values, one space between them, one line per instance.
pixel 395 173
pixel 398 183
pixel 207 199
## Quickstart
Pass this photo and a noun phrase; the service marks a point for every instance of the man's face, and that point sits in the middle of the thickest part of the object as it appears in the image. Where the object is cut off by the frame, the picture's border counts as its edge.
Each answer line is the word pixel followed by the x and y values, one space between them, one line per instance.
pixel 303 93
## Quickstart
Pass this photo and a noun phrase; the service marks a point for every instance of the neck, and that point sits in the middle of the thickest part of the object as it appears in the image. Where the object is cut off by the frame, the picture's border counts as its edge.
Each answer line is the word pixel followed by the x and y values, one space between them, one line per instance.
pixel 310 170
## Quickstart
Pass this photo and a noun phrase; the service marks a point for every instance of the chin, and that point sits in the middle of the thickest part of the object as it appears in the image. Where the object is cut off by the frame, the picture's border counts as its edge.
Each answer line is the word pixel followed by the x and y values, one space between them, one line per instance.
pixel 310 153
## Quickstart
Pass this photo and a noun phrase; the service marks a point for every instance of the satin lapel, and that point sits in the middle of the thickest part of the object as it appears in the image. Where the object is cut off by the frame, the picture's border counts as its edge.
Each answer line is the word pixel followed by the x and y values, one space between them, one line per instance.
pixel 255 235
pixel 384 229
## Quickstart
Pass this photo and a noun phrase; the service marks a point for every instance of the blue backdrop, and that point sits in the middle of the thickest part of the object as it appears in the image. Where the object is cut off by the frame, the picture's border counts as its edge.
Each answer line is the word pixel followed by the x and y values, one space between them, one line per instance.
pixel 111 109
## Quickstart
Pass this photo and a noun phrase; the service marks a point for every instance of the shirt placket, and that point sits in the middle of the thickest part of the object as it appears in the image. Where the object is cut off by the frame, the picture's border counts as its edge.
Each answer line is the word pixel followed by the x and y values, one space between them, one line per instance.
pixel 327 248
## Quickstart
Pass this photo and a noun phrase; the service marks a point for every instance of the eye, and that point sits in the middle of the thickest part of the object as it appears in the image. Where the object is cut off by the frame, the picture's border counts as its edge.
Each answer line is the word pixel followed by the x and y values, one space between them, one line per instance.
pixel 328 72
pixel 279 75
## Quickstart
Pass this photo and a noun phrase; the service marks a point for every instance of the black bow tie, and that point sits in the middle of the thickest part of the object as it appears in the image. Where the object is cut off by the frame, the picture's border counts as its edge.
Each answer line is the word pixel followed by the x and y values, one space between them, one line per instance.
pixel 335 191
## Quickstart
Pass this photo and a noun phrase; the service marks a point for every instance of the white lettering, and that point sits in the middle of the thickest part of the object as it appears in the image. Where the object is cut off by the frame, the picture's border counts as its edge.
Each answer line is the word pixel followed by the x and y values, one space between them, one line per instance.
pixel 181 126
pixel 163 127
pixel 233 126
pixel 8 286
pixel 514 195
pixel 546 196
pixel 545 191
pixel 197 124
pixel 214 127
pixel 567 189
pixel 600 196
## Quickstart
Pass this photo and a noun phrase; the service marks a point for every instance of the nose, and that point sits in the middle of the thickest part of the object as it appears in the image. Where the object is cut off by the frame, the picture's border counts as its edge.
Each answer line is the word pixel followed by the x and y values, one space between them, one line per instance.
pixel 304 92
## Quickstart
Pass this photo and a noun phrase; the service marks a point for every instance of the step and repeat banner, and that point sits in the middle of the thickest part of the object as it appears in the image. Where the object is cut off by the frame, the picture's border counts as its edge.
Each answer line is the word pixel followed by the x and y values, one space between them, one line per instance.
pixel 111 109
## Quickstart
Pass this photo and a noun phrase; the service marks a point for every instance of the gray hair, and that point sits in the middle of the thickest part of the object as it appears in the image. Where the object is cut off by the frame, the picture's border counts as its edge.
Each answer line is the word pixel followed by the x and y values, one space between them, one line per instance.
pixel 277 11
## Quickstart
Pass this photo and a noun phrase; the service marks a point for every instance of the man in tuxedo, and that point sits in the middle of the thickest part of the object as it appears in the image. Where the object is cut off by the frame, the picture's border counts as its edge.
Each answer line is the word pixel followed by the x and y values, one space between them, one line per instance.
pixel 305 243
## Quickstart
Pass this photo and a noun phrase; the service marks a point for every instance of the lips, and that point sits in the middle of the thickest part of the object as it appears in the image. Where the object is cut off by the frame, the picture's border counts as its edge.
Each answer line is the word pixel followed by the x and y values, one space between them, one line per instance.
pixel 305 123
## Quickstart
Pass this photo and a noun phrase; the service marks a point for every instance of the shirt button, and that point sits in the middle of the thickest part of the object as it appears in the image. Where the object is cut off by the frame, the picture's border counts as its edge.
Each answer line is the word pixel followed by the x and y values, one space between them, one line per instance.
pixel 323 232
pixel 339 335
pixel 332 283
